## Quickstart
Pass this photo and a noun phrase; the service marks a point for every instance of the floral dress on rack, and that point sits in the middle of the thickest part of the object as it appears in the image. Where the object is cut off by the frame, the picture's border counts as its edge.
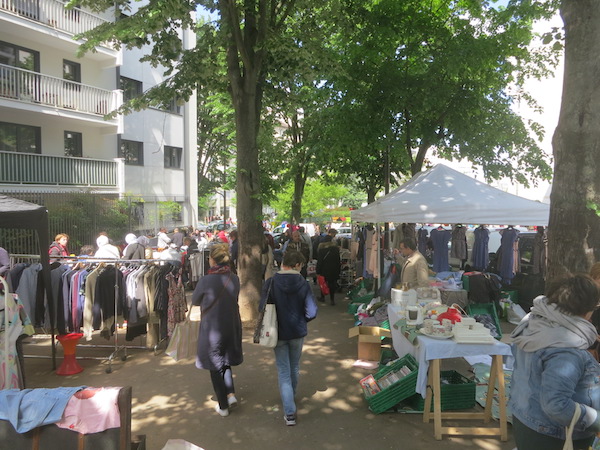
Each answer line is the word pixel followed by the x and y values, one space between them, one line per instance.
pixel 177 306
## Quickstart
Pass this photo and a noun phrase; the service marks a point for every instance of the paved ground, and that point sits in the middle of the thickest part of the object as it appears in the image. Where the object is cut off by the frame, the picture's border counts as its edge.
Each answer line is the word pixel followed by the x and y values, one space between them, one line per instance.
pixel 175 400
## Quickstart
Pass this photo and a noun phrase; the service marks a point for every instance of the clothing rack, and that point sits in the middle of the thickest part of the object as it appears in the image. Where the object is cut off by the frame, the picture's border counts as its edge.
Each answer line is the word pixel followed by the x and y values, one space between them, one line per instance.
pixel 117 262
pixel 117 348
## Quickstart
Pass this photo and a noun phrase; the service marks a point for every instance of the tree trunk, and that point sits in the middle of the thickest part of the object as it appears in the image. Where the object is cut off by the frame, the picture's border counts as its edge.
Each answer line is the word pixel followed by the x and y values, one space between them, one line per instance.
pixel 574 226
pixel 249 205
pixel 299 184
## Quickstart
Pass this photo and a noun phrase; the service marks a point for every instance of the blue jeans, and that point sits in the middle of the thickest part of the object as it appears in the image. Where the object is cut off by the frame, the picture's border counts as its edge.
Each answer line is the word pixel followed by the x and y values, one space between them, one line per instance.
pixel 287 359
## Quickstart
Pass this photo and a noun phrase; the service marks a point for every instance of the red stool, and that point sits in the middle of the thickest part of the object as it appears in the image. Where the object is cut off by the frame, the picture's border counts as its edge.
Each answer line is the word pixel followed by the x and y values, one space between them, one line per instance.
pixel 69 365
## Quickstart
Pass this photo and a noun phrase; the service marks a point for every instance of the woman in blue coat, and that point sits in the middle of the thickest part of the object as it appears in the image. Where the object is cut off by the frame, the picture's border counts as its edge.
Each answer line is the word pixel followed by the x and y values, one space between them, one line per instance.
pixel 295 305
pixel 220 337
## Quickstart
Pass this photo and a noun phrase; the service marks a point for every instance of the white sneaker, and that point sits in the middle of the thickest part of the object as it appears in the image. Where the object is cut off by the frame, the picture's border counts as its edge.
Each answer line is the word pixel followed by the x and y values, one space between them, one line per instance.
pixel 232 401
pixel 222 412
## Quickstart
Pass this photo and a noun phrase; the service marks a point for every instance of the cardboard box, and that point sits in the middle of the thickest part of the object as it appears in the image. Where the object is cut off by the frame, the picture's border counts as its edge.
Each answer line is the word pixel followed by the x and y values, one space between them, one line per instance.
pixel 369 341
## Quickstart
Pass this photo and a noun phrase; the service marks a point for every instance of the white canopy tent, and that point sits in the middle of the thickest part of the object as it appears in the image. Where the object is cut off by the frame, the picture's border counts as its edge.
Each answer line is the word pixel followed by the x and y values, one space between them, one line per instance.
pixel 443 195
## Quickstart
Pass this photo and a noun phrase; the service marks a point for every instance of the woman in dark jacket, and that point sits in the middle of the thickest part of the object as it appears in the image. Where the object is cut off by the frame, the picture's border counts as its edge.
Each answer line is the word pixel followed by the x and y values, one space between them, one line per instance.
pixel 295 305
pixel 328 265
pixel 220 337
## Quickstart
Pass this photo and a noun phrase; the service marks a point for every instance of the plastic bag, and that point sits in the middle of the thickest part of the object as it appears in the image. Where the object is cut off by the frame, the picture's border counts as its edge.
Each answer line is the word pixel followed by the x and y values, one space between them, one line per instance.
pixel 323 285
pixel 184 340
pixel 514 314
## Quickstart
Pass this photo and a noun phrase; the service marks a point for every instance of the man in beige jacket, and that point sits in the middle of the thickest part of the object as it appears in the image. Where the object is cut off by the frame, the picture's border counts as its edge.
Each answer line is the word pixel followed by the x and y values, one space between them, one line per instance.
pixel 415 271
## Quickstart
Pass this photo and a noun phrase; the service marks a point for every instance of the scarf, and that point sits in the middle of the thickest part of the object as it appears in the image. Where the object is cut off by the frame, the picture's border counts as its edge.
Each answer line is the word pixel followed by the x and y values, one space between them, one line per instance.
pixel 547 327
pixel 220 268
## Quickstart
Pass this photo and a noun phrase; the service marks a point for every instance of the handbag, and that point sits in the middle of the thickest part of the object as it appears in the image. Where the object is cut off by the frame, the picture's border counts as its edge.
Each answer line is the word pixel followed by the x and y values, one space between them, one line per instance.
pixel 323 284
pixel 311 268
pixel 569 430
pixel 184 340
pixel 265 333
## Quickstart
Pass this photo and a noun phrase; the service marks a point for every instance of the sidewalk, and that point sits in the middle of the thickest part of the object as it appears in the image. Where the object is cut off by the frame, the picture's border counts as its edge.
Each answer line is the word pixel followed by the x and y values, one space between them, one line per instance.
pixel 175 400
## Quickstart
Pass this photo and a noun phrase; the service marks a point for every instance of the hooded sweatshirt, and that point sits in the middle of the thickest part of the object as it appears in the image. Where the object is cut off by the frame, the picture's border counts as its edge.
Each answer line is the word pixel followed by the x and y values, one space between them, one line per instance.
pixel 294 302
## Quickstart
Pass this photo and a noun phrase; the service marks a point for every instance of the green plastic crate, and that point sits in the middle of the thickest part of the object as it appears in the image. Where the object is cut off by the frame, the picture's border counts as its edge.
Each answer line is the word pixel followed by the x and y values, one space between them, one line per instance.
pixel 353 308
pixel 387 354
pixel 400 390
pixel 458 392
pixel 363 284
pixel 489 309
pixel 366 298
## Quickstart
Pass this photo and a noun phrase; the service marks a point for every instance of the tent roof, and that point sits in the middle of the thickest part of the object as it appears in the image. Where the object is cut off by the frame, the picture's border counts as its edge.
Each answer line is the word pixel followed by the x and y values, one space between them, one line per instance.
pixel 15 213
pixel 443 195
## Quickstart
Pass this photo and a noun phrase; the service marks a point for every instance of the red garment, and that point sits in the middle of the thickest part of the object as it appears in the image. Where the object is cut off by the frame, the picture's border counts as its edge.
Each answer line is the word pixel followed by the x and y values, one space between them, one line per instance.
pixel 223 237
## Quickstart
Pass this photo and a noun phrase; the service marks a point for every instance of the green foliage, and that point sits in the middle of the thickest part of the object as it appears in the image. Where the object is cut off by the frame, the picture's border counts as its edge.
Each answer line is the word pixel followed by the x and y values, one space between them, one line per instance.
pixel 319 197
pixel 169 211
pixel 438 77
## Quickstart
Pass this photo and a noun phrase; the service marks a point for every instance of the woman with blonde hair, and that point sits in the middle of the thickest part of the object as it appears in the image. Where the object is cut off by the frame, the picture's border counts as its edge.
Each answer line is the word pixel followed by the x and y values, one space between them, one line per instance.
pixel 220 337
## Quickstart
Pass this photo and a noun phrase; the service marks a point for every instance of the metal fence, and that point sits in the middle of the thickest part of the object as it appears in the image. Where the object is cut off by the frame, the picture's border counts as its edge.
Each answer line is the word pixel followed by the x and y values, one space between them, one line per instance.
pixel 83 215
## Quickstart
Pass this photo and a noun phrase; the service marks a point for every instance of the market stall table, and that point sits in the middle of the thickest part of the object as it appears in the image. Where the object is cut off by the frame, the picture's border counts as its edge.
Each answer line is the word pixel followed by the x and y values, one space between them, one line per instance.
pixel 429 352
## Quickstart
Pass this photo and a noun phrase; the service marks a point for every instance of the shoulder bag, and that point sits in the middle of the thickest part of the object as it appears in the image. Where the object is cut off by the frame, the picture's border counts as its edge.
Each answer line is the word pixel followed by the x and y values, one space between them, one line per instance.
pixel 265 333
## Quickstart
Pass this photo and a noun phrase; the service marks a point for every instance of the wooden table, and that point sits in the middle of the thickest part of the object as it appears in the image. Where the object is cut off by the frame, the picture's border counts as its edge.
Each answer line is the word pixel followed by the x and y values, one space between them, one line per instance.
pixel 429 352
pixel 434 389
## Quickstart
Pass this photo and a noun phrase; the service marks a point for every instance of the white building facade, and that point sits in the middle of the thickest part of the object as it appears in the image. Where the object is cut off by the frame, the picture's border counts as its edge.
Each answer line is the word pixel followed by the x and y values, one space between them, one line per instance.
pixel 54 137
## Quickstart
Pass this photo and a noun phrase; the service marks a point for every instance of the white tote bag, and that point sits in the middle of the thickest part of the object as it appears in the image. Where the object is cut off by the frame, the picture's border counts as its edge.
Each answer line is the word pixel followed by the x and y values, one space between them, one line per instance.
pixel 266 327
pixel 268 331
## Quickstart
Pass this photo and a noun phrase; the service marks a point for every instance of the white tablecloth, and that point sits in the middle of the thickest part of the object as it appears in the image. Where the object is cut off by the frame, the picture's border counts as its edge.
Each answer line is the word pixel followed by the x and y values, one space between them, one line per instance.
pixel 426 349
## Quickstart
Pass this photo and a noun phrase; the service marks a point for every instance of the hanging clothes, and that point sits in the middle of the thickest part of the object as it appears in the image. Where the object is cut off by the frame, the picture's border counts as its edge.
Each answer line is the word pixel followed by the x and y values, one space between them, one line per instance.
pixel 14 322
pixel 177 304
pixel 481 255
pixel 509 263
pixel 458 244
pixel 439 239
pixel 422 237
pixel 370 248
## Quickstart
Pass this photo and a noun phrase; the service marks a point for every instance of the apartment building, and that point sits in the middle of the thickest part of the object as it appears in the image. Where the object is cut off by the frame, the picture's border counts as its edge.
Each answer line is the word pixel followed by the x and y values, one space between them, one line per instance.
pixel 54 137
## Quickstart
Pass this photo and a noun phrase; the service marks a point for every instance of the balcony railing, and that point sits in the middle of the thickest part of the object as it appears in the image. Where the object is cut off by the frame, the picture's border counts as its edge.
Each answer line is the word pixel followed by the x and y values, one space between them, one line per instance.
pixel 54 14
pixel 33 87
pixel 30 168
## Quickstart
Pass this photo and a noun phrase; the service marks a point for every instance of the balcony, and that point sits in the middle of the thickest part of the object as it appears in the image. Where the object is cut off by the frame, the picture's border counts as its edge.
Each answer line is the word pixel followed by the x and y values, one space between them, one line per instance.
pixel 54 14
pixel 32 87
pixel 32 169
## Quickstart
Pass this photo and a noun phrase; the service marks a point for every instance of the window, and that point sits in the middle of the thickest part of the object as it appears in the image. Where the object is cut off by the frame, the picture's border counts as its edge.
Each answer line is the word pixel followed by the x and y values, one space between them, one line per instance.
pixel 173 157
pixel 131 88
pixel 23 58
pixel 71 71
pixel 173 106
pixel 73 144
pixel 132 152
pixel 20 138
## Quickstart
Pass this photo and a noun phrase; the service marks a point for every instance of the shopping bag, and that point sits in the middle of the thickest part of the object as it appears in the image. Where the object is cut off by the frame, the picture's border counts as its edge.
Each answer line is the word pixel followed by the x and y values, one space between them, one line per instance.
pixel 311 268
pixel 184 340
pixel 323 284
pixel 265 333
pixel 268 333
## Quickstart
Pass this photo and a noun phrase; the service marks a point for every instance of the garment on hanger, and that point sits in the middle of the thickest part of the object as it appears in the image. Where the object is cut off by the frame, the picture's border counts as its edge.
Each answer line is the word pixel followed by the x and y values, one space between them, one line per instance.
pixel 372 265
pixel 369 233
pixel 480 252
pixel 439 239
pixel 458 244
pixel 422 237
pixel 509 263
